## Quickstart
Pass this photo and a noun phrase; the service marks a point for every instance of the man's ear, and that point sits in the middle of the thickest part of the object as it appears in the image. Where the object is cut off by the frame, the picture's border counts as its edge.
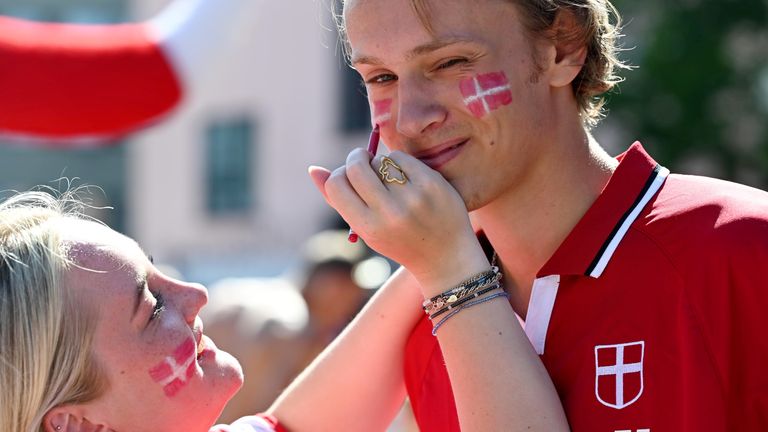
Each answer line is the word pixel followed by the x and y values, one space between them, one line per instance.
pixel 570 47
pixel 70 419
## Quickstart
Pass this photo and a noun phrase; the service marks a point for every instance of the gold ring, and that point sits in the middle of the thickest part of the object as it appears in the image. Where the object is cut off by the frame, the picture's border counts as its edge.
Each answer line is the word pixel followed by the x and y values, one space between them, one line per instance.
pixel 386 176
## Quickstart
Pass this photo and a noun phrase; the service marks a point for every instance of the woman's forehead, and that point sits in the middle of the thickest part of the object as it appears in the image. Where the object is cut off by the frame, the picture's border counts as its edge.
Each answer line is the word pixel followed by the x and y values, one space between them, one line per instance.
pixel 87 240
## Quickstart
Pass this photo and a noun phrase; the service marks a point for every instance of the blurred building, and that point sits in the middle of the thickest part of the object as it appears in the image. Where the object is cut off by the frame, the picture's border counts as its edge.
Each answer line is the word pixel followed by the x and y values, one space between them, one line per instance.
pixel 219 187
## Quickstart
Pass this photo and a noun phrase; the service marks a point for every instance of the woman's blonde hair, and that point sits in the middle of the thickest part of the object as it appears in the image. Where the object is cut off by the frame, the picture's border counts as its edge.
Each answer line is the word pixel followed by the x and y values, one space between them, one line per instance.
pixel 45 342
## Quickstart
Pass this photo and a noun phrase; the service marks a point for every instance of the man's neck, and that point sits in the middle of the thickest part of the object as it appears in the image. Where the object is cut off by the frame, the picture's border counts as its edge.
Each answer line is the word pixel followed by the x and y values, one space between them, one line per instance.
pixel 526 225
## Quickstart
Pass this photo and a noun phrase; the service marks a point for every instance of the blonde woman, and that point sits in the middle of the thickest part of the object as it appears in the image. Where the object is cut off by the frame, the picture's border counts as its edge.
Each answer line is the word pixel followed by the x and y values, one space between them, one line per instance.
pixel 93 337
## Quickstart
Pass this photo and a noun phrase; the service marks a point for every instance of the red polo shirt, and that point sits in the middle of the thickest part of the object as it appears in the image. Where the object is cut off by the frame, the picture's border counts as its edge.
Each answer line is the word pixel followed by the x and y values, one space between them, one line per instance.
pixel 650 315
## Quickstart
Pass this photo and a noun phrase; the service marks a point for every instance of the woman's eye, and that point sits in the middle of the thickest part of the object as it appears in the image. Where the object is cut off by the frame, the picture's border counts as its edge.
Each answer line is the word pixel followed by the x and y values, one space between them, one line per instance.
pixel 381 79
pixel 159 306
pixel 451 63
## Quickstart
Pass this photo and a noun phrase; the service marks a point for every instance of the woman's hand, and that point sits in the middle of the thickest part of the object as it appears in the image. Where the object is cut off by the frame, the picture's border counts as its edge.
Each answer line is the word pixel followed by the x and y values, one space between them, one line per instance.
pixel 422 223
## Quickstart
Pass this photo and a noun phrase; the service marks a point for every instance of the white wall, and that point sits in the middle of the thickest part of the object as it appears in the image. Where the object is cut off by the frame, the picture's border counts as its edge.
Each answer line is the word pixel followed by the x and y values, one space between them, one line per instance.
pixel 278 64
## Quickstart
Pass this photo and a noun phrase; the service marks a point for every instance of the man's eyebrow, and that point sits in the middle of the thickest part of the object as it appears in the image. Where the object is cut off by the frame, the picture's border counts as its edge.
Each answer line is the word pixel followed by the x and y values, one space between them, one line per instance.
pixel 426 48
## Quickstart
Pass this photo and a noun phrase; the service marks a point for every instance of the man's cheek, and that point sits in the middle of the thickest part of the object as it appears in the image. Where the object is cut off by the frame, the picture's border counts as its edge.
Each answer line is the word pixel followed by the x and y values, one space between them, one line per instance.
pixel 484 93
pixel 382 112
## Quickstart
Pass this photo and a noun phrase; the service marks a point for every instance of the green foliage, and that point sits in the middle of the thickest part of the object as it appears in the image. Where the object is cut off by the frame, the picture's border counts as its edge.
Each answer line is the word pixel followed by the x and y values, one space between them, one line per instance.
pixel 699 97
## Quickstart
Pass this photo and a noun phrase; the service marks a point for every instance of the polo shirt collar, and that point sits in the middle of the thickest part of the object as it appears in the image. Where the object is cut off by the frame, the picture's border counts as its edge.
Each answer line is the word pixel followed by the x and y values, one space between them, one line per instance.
pixel 590 245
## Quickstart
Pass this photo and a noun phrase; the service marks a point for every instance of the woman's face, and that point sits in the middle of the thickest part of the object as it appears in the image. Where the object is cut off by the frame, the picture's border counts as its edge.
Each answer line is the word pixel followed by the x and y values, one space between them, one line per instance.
pixel 164 375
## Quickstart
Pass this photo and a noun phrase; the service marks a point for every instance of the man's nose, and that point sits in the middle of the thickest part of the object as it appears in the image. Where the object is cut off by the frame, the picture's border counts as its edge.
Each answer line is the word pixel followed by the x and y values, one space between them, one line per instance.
pixel 419 107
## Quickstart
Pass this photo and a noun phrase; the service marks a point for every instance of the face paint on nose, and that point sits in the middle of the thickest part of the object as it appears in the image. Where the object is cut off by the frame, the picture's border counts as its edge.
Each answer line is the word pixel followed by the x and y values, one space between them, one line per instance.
pixel 382 112
pixel 484 93
pixel 174 372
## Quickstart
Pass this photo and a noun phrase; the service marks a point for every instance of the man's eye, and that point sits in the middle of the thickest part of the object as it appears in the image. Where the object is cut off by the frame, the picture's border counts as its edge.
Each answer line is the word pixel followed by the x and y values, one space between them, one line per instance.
pixel 159 306
pixel 381 79
pixel 451 63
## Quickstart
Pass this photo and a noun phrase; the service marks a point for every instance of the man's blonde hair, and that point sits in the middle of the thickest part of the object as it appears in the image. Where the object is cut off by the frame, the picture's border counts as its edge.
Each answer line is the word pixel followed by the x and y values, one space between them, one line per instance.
pixel 598 27
pixel 45 341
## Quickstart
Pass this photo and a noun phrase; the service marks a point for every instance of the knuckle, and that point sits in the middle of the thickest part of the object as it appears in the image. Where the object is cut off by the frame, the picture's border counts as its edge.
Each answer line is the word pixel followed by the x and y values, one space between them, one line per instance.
pixel 356 170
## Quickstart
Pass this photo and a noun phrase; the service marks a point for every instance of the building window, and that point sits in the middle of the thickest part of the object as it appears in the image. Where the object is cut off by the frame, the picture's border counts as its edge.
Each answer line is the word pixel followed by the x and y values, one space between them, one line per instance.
pixel 355 112
pixel 229 155
pixel 79 11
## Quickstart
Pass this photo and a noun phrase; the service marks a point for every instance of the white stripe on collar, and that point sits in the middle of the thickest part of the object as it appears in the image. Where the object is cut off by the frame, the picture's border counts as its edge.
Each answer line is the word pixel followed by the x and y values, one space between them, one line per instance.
pixel 545 288
pixel 614 243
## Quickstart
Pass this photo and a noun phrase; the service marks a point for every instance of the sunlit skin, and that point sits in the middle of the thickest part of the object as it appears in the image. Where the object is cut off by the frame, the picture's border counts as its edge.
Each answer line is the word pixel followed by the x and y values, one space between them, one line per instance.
pixel 485 93
pixel 399 59
pixel 527 169
pixel 382 112
pixel 116 281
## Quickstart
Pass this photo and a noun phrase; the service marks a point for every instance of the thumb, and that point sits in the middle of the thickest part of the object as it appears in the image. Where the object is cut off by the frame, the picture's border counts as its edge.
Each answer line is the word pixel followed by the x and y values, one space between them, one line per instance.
pixel 319 176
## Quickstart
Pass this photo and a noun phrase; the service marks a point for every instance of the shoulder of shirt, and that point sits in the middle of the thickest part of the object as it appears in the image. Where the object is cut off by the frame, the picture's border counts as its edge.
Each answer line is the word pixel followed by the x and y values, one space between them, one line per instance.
pixel 693 215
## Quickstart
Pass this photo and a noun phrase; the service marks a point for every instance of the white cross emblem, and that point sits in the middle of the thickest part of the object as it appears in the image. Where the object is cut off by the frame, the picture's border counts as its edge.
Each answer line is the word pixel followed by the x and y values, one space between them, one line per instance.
pixel 627 376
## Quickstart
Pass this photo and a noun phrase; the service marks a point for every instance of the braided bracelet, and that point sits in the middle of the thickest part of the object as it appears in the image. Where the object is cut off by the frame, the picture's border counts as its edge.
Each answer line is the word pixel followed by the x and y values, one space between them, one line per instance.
pixel 465 299
pixel 451 296
pixel 467 306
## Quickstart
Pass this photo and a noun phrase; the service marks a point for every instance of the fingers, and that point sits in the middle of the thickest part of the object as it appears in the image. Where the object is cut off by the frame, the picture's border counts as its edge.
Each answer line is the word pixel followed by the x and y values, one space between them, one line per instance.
pixel 319 176
pixel 363 178
pixel 342 196
pixel 416 171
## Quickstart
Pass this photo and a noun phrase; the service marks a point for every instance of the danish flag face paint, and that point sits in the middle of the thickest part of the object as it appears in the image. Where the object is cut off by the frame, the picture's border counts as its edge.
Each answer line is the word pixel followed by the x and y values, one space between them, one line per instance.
pixel 382 112
pixel 484 93
pixel 174 372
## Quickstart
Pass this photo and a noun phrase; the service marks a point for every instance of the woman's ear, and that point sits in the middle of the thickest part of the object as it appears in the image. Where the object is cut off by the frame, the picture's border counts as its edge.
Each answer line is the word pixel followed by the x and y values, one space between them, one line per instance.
pixel 70 419
pixel 570 47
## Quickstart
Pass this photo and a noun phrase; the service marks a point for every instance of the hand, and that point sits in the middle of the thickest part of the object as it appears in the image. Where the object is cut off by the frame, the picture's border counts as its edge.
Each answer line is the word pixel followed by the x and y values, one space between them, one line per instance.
pixel 422 224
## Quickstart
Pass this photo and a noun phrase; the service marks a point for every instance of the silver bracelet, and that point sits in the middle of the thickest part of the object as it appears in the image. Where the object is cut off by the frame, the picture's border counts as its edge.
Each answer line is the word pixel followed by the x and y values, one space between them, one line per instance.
pixel 465 289
pixel 467 305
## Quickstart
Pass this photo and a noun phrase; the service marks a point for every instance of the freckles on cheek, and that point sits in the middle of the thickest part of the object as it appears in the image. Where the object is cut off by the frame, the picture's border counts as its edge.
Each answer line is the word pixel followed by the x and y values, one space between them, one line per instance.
pixel 173 373
pixel 382 112
pixel 484 93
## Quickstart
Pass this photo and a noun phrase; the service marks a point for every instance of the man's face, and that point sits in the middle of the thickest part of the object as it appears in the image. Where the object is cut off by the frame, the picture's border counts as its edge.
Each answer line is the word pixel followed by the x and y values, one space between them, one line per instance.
pixel 466 98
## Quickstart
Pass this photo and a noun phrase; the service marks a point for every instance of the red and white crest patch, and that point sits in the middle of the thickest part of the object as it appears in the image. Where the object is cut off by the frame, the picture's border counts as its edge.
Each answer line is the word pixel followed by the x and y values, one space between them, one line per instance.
pixel 619 373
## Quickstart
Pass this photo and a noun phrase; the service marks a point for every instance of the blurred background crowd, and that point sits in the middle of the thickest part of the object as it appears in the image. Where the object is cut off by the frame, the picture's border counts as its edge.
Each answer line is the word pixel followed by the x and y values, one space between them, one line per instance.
pixel 217 191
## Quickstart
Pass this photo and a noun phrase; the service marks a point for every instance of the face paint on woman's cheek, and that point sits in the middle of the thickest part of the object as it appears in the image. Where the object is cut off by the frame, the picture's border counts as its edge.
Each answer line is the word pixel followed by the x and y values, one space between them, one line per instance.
pixel 484 93
pixel 382 112
pixel 174 372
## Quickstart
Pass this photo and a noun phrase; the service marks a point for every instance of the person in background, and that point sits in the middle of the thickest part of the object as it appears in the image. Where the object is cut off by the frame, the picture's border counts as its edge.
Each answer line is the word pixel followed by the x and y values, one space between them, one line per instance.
pixel 276 326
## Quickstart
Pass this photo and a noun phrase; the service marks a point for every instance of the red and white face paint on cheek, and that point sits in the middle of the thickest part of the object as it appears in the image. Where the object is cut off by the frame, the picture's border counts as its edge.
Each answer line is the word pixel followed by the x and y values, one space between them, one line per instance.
pixel 382 112
pixel 484 93
pixel 174 372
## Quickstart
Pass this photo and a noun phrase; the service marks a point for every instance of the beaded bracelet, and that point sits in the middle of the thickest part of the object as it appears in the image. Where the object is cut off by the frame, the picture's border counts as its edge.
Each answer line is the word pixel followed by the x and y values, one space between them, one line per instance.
pixel 466 288
pixel 462 300
pixel 466 306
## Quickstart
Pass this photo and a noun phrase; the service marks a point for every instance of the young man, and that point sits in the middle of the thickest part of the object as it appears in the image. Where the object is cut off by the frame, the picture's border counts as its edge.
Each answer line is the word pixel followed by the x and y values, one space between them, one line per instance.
pixel 639 290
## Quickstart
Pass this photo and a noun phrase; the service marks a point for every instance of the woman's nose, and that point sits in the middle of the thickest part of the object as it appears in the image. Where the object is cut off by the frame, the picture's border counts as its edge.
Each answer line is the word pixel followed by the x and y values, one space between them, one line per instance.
pixel 193 297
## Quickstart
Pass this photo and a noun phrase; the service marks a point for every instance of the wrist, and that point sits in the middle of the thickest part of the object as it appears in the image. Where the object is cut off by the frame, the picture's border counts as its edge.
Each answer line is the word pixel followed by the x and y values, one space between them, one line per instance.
pixel 451 271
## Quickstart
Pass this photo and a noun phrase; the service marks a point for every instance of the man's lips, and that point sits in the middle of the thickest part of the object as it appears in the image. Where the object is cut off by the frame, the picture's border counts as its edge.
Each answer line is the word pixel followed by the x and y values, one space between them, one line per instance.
pixel 438 156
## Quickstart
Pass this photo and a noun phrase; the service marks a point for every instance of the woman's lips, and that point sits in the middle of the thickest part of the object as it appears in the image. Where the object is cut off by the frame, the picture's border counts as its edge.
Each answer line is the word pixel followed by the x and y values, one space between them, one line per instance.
pixel 206 349
pixel 437 159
